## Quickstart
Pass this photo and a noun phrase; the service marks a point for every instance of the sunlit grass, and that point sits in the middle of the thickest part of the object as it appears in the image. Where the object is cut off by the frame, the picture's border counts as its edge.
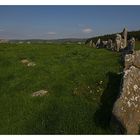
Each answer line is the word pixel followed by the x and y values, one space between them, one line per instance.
pixel 76 77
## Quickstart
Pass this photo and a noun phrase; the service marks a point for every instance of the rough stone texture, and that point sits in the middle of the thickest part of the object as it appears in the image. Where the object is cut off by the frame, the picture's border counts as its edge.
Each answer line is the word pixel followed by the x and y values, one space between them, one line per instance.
pixel 28 63
pixel 31 64
pixel 93 45
pixel 136 61
pixel 90 43
pixel 25 61
pixel 128 62
pixel 132 59
pixel 98 43
pixel 40 93
pixel 124 35
pixel 118 42
pixel 110 44
pixel 127 107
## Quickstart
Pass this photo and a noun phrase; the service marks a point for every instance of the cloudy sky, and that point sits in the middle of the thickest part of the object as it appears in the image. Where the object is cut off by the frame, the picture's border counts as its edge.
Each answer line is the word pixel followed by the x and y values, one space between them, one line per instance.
pixel 53 22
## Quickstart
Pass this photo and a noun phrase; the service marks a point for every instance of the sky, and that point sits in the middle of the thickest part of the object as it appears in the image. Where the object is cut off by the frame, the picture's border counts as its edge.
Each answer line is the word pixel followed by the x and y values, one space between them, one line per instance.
pixel 56 22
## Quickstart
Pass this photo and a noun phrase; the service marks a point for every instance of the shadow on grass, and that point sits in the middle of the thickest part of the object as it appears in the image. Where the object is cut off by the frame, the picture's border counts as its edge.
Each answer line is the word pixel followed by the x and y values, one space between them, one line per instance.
pixel 104 113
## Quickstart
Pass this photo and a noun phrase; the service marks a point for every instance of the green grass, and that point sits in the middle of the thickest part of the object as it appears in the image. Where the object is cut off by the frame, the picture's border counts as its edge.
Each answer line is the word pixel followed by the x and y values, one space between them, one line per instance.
pixel 77 102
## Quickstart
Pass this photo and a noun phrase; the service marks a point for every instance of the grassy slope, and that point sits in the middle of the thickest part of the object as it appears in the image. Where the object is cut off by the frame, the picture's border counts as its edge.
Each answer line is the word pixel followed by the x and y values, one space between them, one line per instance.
pixel 77 103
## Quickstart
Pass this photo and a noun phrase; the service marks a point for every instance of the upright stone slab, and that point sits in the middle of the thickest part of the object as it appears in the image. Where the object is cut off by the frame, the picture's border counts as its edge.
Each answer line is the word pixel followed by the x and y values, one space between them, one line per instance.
pixel 90 43
pixel 98 43
pixel 131 44
pixel 124 36
pixel 127 107
pixel 109 44
pixel 118 42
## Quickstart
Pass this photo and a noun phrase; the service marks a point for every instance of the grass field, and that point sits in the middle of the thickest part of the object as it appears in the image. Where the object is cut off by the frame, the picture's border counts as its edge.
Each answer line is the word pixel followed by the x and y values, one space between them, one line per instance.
pixel 82 83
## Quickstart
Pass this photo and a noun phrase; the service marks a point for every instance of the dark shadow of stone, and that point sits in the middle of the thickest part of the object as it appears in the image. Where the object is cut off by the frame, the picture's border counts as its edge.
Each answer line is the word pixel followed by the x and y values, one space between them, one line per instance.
pixel 103 115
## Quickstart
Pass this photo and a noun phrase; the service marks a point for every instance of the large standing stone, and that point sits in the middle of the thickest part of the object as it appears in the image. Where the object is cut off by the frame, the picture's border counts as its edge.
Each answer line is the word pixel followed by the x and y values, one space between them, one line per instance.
pixel 110 44
pixel 98 43
pixel 118 41
pixel 124 36
pixel 90 43
pixel 131 44
pixel 104 43
pixel 127 107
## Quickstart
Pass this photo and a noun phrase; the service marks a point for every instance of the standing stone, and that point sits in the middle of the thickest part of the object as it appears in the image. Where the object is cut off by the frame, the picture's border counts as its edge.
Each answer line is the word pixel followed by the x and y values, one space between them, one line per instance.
pixel 118 42
pixel 104 44
pixel 90 43
pixel 131 44
pixel 124 36
pixel 109 44
pixel 98 43
pixel 127 107
pixel 93 45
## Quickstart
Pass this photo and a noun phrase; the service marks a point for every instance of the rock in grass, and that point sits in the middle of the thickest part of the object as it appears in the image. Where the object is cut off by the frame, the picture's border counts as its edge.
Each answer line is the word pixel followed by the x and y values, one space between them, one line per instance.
pixel 31 64
pixel 28 63
pixel 25 61
pixel 40 93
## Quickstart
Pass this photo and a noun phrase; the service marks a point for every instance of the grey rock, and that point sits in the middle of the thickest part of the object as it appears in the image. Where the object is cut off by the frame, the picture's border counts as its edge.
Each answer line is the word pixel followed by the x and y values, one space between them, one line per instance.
pixel 31 64
pixel 127 107
pixel 40 93
pixel 28 63
pixel 98 43
pixel 25 61
pixel 131 44
pixel 124 35
pixel 137 59
pixel 118 42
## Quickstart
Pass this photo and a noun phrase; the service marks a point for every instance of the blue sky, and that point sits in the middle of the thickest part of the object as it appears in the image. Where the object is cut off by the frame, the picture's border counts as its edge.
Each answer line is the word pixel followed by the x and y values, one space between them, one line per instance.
pixel 52 22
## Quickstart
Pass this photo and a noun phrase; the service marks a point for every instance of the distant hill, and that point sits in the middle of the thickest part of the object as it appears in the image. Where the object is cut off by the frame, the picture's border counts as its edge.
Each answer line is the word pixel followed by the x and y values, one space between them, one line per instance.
pixel 66 40
pixel 135 34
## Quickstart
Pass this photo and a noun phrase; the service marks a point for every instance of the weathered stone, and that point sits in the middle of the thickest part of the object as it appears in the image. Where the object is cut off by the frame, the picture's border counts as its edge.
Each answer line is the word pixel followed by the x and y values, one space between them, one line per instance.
pixel 93 45
pixel 40 93
pixel 98 43
pixel 132 59
pixel 28 63
pixel 25 61
pixel 131 44
pixel 137 59
pixel 124 35
pixel 110 44
pixel 104 44
pixel 31 64
pixel 118 42
pixel 128 62
pixel 90 43
pixel 127 107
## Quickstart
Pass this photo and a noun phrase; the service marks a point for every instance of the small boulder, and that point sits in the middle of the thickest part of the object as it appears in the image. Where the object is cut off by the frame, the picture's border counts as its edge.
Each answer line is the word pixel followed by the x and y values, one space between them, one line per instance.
pixel 25 61
pixel 31 64
pixel 28 63
pixel 40 93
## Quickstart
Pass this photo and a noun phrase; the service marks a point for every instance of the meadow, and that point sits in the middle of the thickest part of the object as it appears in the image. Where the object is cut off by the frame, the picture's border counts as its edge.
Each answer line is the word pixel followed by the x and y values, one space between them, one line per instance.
pixel 82 83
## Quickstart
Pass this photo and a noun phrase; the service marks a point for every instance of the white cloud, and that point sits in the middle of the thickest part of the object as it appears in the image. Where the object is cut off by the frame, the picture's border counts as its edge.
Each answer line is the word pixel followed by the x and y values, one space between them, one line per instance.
pixel 87 30
pixel 51 33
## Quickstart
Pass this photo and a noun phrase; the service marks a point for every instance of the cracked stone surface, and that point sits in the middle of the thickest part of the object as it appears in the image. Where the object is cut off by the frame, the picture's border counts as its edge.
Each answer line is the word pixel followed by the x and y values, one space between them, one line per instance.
pixel 40 93
pixel 127 107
